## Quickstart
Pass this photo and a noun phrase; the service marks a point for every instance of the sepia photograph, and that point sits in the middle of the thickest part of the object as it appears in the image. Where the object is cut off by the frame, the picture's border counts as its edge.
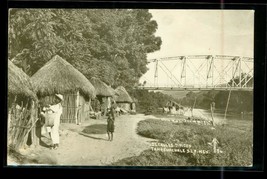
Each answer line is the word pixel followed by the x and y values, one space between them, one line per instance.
pixel 130 87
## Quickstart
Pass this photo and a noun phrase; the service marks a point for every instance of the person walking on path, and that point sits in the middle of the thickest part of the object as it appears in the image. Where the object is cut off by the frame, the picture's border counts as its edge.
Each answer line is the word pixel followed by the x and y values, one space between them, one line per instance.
pixel 110 124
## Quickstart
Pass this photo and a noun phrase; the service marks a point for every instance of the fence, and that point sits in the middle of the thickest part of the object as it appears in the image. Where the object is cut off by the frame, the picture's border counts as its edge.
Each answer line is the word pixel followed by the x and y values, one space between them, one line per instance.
pixel 22 119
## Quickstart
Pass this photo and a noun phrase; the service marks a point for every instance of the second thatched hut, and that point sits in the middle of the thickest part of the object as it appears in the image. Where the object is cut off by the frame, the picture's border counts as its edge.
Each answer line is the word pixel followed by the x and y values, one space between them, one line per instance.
pixel 59 76
pixel 104 94
pixel 123 99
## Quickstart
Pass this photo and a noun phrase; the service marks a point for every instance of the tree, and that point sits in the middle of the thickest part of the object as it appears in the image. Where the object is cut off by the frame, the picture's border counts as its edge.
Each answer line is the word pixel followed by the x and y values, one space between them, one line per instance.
pixel 108 43
pixel 31 31
pixel 153 100
pixel 246 79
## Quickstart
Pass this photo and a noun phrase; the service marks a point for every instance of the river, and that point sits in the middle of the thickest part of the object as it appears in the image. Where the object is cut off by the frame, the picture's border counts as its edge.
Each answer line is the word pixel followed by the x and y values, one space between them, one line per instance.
pixel 218 115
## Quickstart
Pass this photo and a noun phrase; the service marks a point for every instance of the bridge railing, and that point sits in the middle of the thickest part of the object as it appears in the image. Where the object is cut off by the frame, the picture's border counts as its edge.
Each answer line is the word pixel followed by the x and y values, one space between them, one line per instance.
pixel 188 88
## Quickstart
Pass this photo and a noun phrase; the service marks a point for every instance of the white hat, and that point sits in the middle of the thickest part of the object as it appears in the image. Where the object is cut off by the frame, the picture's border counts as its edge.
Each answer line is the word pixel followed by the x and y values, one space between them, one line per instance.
pixel 60 96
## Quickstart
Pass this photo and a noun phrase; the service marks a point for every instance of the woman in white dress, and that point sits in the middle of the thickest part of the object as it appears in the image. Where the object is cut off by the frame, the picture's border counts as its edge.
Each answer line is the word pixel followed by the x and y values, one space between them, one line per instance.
pixel 56 111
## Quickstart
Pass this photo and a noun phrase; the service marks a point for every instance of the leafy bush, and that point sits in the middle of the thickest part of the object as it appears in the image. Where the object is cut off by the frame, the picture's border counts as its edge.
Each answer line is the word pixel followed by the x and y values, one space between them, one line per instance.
pixel 236 145
pixel 240 101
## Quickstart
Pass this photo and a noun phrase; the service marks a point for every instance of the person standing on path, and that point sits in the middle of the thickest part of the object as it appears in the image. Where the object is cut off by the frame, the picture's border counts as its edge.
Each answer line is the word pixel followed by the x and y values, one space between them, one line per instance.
pixel 56 110
pixel 110 124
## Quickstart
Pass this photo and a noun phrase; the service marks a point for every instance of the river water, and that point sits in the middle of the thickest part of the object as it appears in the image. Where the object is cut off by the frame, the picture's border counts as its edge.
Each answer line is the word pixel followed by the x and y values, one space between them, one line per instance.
pixel 218 115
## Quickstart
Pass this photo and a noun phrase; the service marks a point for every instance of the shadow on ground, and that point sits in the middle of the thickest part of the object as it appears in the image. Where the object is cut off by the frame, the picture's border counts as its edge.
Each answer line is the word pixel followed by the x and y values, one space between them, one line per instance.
pixel 95 129
pixel 92 137
pixel 44 144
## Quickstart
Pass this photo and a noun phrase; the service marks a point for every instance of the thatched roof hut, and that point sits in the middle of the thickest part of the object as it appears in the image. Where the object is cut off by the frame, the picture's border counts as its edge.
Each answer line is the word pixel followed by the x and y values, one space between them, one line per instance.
pixel 102 89
pixel 21 108
pixel 19 82
pixel 123 96
pixel 113 91
pixel 59 76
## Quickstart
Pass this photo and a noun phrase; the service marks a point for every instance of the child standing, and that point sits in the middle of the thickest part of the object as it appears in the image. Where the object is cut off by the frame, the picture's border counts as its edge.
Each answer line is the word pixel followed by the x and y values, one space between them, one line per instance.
pixel 110 124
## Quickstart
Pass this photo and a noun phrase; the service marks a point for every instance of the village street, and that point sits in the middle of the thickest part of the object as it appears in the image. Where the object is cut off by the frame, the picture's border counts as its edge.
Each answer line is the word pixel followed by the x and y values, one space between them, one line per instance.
pixel 77 148
pixel 95 149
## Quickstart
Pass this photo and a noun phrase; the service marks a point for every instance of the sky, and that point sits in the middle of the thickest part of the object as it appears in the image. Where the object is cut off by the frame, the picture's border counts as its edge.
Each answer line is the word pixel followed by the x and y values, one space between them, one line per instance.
pixel 203 32
pixel 197 32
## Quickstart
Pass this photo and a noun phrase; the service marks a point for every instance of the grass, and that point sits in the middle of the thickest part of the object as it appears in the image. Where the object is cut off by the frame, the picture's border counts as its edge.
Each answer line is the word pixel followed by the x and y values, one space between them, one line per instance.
pixel 235 141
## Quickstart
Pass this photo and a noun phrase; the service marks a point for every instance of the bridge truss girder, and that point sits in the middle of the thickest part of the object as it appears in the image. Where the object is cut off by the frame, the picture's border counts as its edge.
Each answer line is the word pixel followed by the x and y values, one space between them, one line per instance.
pixel 207 71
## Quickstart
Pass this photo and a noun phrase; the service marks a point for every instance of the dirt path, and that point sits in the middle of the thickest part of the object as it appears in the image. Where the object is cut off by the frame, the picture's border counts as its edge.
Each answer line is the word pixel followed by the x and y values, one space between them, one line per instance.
pixel 95 149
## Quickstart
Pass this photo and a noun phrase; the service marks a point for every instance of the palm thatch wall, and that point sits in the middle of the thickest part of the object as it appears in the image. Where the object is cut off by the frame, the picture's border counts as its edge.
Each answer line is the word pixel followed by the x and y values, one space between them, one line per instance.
pixel 59 76
pixel 22 113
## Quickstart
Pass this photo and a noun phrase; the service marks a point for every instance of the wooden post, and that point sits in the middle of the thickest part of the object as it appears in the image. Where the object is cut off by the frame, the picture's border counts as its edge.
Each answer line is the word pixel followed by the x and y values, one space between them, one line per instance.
pixel 215 142
pixel 227 104
pixel 193 106
pixel 133 107
pixel 8 127
pixel 76 107
pixel 105 104
pixel 32 123
pixel 34 137
pixel 12 121
pixel 212 110
pixel 89 107
pixel 109 102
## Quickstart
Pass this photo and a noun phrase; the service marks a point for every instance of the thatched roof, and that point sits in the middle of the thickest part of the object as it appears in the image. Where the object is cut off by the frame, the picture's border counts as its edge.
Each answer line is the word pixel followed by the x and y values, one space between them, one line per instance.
pixel 59 76
pixel 123 96
pixel 113 91
pixel 102 89
pixel 19 82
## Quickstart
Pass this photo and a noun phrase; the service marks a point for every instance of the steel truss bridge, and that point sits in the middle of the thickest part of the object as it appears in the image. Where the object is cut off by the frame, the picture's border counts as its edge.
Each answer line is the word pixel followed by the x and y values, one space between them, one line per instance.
pixel 199 72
